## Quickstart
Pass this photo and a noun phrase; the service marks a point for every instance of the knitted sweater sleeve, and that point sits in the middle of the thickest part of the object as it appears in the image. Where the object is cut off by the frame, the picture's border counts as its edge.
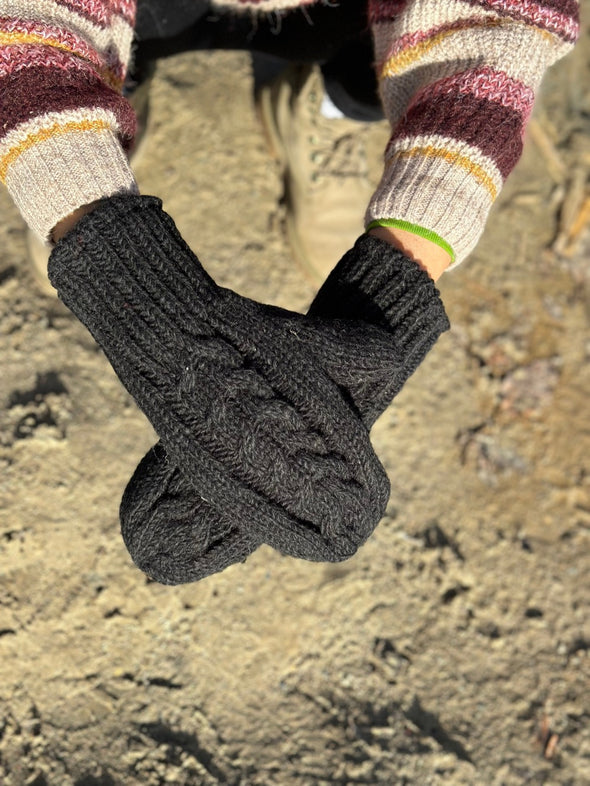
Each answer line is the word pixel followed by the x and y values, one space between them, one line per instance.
pixel 64 125
pixel 458 81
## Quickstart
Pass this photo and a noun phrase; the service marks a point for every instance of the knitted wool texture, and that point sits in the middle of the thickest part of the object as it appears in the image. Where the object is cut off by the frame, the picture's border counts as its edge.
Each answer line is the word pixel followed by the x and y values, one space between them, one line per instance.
pixel 263 414
pixel 457 80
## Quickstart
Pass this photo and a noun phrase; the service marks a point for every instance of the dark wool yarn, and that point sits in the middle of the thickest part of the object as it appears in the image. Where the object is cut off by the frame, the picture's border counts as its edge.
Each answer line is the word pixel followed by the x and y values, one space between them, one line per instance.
pixel 263 414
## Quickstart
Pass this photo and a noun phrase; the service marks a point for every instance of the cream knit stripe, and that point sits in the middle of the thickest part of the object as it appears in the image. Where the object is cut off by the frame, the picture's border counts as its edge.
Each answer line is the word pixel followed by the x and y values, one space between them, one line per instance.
pixel 460 154
pixel 39 128
pixel 422 19
pixel 452 38
pixel 54 177
pixel 540 14
pixel 419 17
pixel 102 12
pixel 461 47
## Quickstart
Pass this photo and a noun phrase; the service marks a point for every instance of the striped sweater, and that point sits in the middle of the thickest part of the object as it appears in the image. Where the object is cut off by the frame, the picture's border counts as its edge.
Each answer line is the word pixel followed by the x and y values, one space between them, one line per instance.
pixel 457 78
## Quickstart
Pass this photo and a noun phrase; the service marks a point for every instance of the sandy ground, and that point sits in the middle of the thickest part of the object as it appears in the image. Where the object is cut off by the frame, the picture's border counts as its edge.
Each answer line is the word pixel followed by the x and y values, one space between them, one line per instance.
pixel 453 649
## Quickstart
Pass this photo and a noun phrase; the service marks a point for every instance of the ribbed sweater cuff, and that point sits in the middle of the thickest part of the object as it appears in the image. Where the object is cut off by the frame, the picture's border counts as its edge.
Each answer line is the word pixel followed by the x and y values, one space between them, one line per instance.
pixel 59 174
pixel 439 195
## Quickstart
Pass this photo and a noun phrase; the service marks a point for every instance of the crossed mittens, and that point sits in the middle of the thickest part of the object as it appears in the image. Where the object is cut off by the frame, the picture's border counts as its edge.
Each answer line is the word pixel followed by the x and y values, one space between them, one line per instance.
pixel 263 414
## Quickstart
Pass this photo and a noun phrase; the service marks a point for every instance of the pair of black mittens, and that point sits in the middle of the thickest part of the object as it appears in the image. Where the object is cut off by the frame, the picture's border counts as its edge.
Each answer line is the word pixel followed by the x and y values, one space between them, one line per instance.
pixel 263 414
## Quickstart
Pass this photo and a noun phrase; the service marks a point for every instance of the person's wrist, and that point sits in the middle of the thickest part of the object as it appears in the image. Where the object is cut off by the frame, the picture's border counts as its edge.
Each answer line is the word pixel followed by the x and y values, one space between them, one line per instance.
pixel 69 222
pixel 430 256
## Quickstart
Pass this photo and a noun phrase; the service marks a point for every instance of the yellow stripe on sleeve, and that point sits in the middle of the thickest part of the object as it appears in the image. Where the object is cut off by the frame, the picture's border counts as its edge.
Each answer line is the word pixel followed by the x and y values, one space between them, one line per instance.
pixel 466 163
pixel 44 134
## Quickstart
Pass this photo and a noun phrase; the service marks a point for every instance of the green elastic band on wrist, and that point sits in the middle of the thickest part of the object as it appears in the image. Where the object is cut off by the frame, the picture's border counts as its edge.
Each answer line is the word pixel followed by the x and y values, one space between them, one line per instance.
pixel 427 234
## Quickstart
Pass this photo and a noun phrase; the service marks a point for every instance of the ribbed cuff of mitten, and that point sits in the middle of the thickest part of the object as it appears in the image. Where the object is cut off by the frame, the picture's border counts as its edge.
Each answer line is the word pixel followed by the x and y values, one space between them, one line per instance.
pixel 376 284
pixel 53 177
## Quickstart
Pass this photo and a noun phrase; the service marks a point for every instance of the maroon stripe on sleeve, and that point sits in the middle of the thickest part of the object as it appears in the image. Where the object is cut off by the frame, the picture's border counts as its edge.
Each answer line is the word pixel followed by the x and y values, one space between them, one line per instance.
pixel 124 8
pixel 494 129
pixel 36 91
pixel 24 56
pixel 568 7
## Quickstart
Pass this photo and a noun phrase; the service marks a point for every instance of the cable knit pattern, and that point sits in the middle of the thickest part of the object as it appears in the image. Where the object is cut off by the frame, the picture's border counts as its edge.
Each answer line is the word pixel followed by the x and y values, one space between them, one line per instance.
pixel 458 80
pixel 64 125
pixel 263 413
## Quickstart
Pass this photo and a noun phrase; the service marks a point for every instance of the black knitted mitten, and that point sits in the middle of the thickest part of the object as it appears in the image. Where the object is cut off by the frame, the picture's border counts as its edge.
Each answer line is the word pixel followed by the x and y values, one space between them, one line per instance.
pixel 263 414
